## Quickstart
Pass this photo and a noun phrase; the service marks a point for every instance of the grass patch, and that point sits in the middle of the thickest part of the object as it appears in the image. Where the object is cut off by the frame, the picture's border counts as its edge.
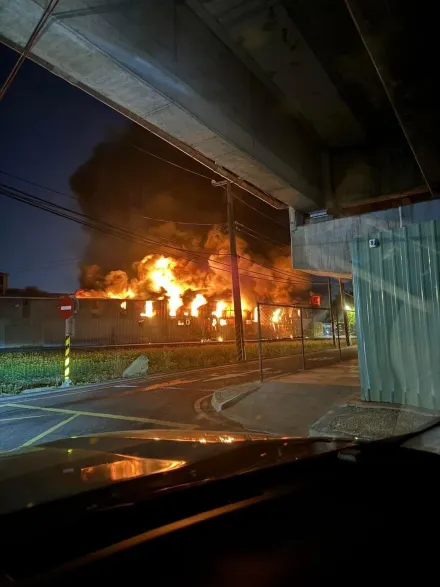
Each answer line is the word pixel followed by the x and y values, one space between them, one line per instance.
pixel 24 370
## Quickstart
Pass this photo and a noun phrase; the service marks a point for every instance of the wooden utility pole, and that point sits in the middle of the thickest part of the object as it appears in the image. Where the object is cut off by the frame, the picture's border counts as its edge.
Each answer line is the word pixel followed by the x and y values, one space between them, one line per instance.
pixel 236 294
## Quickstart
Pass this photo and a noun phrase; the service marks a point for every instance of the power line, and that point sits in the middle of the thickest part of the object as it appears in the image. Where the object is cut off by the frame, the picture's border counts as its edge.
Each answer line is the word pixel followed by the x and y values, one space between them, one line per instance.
pixel 121 232
pixel 275 269
pixel 290 278
pixel 31 42
pixel 84 220
pixel 261 213
pixel 77 199
pixel 109 225
pixel 251 273
pixel 186 223
pixel 258 236
pixel 261 234
pixel 39 204
pixel 38 185
pixel 308 244
pixel 169 162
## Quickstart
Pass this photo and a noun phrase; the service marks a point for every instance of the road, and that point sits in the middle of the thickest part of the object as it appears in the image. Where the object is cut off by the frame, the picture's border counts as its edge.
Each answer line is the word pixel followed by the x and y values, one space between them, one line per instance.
pixel 179 400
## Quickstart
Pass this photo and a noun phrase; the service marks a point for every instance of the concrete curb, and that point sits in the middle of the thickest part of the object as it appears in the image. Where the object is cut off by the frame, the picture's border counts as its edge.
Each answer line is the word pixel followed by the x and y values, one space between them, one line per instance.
pixel 227 396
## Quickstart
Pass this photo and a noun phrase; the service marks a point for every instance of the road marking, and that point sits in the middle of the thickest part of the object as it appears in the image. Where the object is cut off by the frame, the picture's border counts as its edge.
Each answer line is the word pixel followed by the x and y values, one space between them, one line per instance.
pixel 21 418
pixel 46 432
pixel 241 374
pixel 168 384
pixel 102 415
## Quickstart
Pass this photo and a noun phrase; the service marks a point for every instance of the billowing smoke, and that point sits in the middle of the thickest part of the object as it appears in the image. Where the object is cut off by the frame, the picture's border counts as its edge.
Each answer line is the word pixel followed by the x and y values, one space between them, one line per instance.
pixel 121 185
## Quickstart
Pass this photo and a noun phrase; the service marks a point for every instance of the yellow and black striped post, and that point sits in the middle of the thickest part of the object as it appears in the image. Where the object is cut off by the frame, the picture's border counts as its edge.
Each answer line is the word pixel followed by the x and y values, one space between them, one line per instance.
pixel 69 330
pixel 67 360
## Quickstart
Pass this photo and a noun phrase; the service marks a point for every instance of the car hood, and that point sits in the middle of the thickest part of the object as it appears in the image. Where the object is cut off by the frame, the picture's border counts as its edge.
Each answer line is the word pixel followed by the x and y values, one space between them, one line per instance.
pixel 66 467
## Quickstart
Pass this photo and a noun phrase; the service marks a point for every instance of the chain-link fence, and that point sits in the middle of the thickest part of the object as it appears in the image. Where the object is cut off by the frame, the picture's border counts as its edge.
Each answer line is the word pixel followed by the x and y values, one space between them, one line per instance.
pixel 301 332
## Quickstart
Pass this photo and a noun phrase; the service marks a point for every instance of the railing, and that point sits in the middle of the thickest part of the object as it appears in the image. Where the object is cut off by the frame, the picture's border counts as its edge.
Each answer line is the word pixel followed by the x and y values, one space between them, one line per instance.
pixel 301 331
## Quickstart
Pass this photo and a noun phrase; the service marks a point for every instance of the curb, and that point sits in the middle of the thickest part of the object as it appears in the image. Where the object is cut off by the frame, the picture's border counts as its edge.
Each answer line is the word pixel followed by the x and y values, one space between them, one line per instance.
pixel 226 396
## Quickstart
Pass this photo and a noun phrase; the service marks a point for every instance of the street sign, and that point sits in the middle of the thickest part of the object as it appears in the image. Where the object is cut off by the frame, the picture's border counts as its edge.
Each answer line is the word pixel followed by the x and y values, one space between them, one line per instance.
pixel 315 300
pixel 66 307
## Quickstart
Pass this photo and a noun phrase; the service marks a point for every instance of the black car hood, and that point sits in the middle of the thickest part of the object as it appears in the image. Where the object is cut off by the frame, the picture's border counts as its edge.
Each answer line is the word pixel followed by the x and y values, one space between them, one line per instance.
pixel 67 467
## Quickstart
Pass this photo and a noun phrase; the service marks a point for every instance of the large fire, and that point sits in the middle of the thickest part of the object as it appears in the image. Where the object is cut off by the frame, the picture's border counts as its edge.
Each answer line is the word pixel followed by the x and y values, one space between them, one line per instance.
pixel 198 288
pixel 163 277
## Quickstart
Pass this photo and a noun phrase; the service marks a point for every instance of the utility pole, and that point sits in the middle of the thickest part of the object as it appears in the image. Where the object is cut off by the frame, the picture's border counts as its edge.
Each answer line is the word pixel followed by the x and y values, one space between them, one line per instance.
pixel 236 294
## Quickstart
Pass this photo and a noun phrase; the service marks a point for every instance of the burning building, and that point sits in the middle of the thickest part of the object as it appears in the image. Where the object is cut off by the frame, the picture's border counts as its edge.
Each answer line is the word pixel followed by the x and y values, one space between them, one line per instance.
pixel 193 283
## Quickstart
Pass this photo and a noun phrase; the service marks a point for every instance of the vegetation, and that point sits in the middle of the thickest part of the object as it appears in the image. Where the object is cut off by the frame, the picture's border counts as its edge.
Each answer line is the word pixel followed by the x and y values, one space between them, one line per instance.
pixel 24 370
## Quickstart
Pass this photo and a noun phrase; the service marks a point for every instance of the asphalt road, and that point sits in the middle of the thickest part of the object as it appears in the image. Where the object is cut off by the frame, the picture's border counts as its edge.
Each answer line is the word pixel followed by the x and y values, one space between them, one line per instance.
pixel 179 400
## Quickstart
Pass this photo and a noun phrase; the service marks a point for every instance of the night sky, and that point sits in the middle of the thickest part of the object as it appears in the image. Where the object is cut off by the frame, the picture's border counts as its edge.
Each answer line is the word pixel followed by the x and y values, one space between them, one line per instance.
pixel 55 135
pixel 48 129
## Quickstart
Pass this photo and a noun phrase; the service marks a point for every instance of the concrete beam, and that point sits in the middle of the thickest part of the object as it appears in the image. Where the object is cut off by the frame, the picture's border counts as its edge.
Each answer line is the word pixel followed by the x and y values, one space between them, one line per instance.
pixel 157 61
pixel 323 248
pixel 401 41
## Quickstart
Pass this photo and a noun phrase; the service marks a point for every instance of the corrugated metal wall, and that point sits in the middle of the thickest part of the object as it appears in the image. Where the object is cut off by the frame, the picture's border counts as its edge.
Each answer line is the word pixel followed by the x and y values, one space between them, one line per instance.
pixel 396 288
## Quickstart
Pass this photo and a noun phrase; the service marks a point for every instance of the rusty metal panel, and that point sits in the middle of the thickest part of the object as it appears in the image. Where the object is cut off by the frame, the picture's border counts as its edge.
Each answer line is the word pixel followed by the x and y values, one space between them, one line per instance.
pixel 396 287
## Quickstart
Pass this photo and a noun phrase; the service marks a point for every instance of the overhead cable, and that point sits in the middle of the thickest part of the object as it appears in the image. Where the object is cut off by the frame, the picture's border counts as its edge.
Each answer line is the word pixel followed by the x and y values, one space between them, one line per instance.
pixel 38 185
pixel 259 212
pixel 109 225
pixel 47 13
pixel 186 223
pixel 258 236
pixel 170 162
pixel 102 226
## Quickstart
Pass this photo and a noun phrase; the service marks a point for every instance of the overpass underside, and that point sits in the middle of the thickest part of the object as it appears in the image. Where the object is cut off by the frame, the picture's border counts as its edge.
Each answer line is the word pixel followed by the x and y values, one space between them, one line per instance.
pixel 161 65
pixel 256 90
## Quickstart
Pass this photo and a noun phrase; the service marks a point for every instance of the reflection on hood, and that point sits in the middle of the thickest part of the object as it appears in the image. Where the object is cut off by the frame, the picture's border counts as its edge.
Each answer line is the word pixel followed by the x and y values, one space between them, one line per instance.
pixel 70 466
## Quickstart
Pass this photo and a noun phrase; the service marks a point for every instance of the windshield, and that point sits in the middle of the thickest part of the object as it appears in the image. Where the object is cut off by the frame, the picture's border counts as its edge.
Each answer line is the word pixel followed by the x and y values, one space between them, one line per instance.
pixel 220 224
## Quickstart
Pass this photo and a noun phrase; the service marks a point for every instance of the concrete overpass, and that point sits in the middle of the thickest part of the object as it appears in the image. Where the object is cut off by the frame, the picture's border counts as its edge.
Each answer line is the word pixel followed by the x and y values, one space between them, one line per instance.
pixel 282 95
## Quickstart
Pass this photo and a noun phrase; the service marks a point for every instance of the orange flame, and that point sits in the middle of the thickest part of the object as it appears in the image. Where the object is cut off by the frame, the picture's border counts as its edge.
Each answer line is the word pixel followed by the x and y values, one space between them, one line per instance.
pixel 162 278
pixel 276 316
pixel 198 301
pixel 148 310
pixel 220 307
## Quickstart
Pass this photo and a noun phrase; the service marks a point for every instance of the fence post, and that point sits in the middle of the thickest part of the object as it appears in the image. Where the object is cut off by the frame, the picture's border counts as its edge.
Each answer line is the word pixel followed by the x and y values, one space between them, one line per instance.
pixel 344 312
pixel 302 340
pixel 339 340
pixel 332 319
pixel 260 350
